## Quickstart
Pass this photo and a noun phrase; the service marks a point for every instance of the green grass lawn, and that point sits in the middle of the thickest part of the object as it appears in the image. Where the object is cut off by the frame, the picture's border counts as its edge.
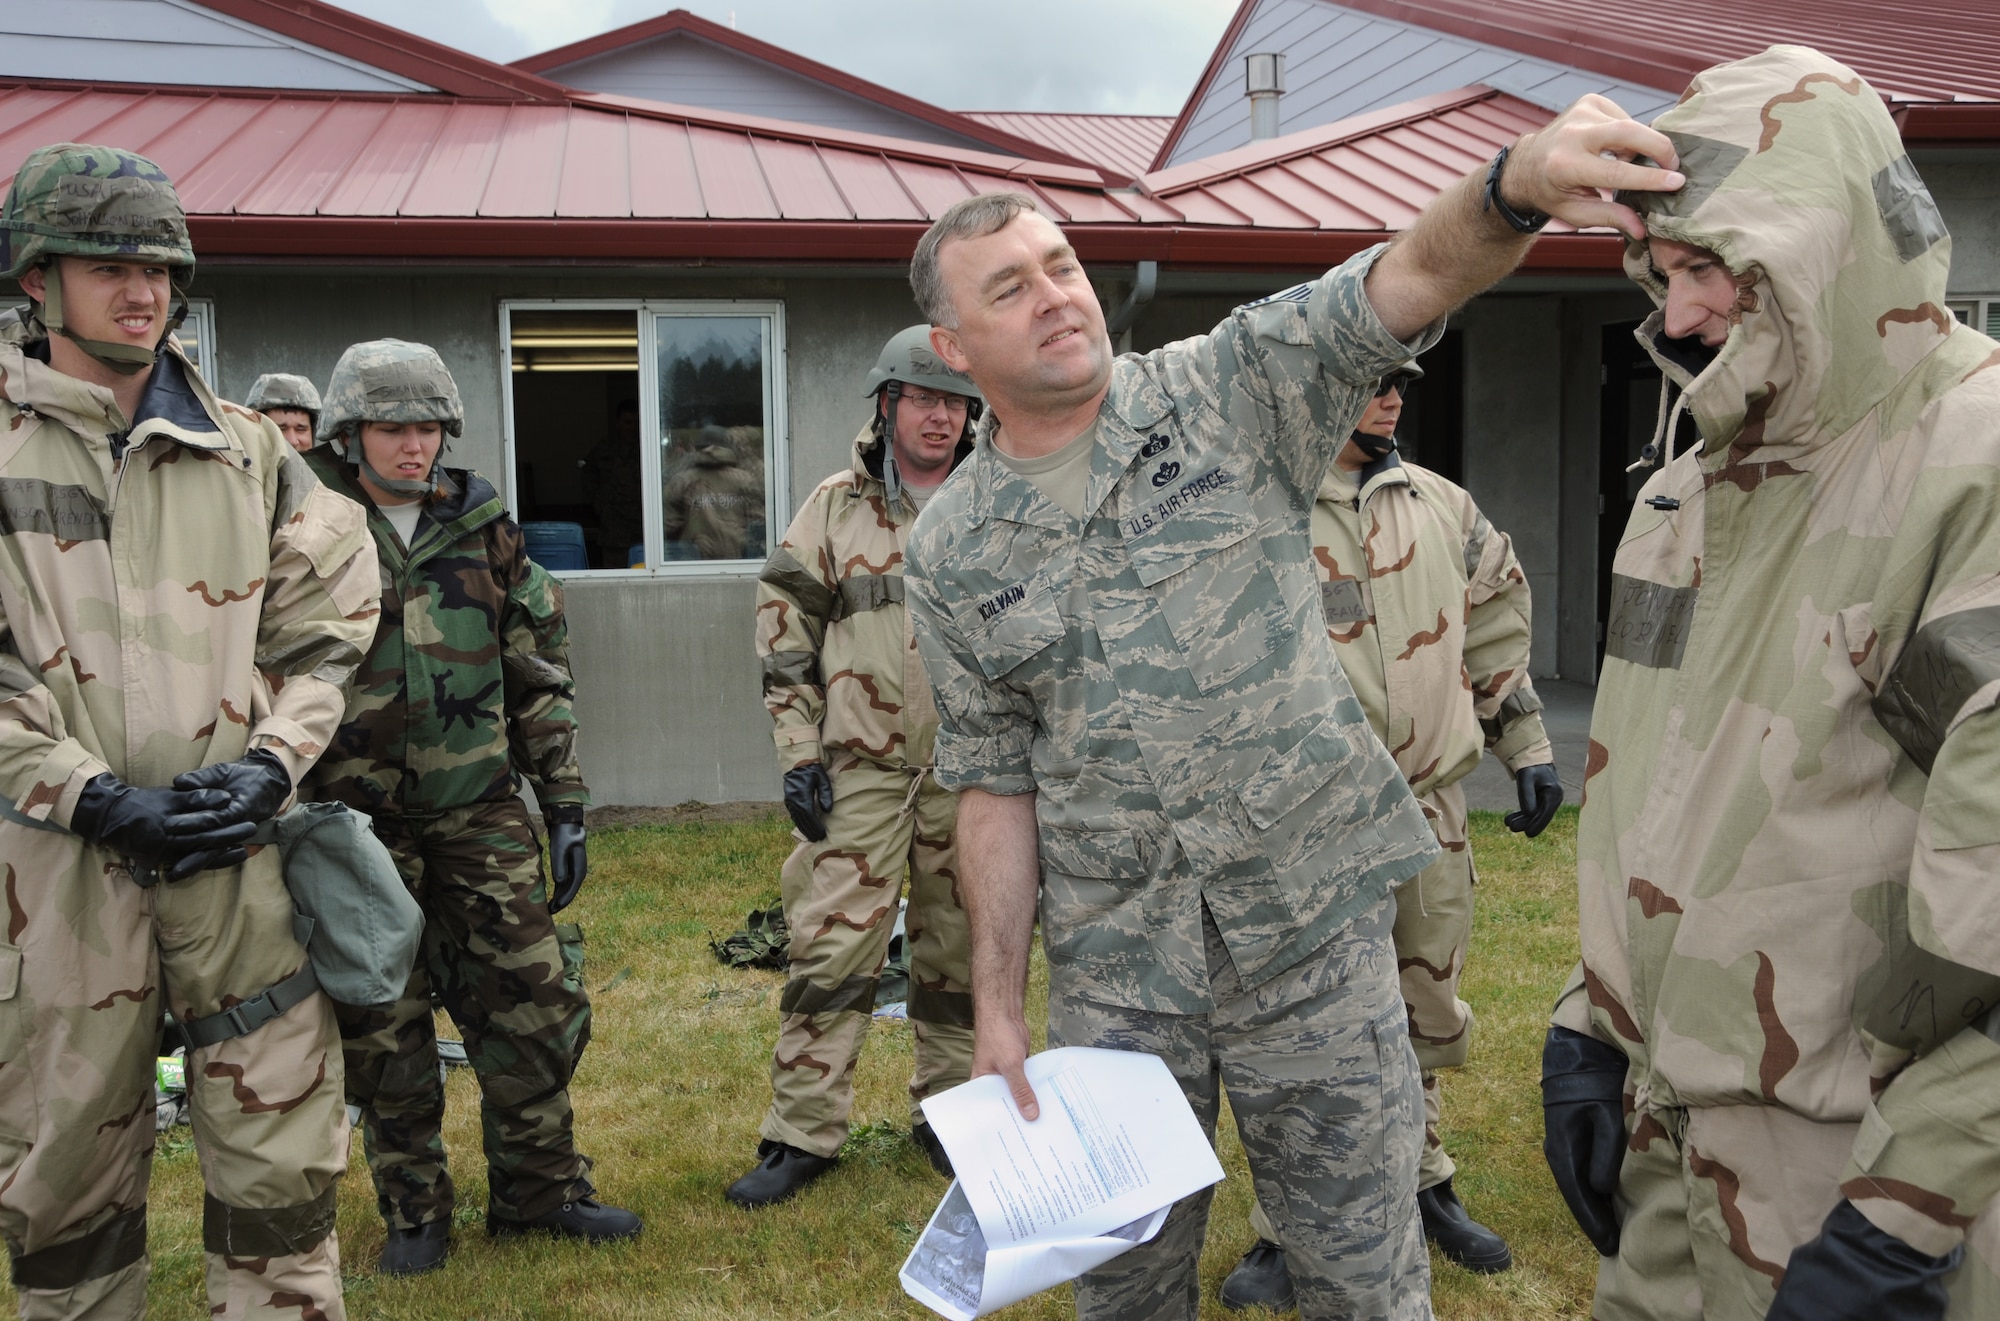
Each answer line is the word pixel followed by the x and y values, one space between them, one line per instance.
pixel 674 1084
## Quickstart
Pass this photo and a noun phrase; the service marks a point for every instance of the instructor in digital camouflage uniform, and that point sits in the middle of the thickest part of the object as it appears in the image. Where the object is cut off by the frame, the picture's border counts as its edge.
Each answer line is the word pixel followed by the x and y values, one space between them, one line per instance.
pixel 183 603
pixel 1140 703
pixel 292 404
pixel 1429 613
pixel 466 691
pixel 1773 1084
pixel 855 727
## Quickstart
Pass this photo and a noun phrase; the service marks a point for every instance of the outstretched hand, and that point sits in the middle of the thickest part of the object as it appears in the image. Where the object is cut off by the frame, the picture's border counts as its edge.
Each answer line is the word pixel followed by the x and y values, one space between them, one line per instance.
pixel 1572 168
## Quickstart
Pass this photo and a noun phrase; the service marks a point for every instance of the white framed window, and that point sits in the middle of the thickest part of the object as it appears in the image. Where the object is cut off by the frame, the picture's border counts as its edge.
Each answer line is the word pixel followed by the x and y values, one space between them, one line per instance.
pixel 647 435
pixel 1981 312
pixel 197 337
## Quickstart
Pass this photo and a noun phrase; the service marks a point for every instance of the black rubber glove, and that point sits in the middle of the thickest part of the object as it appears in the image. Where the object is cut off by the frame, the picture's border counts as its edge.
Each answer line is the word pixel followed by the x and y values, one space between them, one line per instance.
pixel 150 826
pixel 809 797
pixel 1541 793
pixel 568 864
pixel 257 784
pixel 1855 1272
pixel 1583 1117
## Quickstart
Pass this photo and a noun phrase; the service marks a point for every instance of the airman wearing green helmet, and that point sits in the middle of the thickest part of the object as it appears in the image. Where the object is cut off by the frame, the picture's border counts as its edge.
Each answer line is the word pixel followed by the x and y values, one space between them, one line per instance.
pixel 243 593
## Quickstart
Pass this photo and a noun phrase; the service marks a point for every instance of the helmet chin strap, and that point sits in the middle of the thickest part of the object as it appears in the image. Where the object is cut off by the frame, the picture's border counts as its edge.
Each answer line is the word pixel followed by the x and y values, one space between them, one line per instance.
pixel 125 359
pixel 1375 447
pixel 419 488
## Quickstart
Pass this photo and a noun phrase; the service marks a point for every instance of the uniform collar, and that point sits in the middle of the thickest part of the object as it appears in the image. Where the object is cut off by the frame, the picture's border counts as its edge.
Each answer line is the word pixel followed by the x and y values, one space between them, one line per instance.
pixel 1133 405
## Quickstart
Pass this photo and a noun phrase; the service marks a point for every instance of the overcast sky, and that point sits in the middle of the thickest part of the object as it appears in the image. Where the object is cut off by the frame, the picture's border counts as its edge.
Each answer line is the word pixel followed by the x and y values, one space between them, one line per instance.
pixel 1108 56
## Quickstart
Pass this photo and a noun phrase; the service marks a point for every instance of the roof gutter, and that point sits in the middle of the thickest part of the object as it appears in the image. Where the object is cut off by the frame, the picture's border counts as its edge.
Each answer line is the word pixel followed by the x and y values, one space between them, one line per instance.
pixel 533 242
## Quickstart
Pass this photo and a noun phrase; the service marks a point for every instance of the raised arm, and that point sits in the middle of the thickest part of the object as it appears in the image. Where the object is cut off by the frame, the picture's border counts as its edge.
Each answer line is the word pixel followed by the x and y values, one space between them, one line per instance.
pixel 1459 246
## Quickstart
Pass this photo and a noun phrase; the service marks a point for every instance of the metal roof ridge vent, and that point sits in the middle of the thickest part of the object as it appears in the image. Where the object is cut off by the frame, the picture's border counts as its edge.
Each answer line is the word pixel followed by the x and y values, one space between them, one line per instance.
pixel 1264 82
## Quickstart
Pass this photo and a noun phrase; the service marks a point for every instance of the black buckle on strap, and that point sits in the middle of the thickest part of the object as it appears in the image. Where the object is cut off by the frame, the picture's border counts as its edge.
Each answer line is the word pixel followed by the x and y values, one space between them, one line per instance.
pixel 240 1020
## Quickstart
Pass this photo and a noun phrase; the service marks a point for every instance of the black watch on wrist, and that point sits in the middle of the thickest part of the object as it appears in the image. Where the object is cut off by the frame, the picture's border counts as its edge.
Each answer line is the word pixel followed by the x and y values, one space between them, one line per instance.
pixel 1530 223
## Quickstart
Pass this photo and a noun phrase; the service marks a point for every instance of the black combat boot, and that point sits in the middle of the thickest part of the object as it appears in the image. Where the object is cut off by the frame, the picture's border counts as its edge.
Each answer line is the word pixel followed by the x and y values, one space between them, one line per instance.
pixel 1457 1235
pixel 926 1137
pixel 781 1172
pixel 416 1251
pixel 586 1218
pixel 1260 1280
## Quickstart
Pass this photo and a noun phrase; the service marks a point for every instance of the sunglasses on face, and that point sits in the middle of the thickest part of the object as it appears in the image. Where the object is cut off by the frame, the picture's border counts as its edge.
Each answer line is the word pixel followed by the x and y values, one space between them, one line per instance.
pixel 1400 382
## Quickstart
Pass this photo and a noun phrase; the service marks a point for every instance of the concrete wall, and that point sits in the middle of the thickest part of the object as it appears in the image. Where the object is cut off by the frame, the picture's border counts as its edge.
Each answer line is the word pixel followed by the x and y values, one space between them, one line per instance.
pixel 668 691
pixel 1966 185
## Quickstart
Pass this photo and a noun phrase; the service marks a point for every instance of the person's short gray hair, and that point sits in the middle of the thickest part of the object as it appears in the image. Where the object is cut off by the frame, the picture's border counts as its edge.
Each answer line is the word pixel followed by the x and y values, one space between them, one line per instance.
pixel 975 217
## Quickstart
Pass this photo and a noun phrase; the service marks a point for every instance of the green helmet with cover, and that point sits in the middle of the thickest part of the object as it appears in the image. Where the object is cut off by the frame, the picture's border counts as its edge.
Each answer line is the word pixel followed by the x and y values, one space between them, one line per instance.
pixel 909 358
pixel 388 380
pixel 283 390
pixel 74 199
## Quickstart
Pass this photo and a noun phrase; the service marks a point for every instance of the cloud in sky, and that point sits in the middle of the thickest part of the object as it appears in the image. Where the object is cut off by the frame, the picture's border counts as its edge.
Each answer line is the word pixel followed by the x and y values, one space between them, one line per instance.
pixel 1107 56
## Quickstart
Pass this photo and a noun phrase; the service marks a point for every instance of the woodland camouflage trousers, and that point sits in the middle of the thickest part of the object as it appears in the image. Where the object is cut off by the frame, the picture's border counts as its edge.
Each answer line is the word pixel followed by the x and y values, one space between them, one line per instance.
pixel 512 980
pixel 840 904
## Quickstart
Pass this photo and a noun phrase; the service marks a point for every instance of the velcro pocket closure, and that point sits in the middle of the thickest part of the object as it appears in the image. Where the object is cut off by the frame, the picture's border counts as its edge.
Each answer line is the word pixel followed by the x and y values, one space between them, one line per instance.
pixel 10 971
pixel 1103 854
pixel 1011 625
pixel 1284 780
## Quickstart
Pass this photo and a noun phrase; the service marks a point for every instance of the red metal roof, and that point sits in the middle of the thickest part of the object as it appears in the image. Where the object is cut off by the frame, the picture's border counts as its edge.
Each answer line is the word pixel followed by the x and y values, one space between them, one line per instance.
pixel 1941 50
pixel 1370 173
pixel 313 176
pixel 679 21
pixel 1124 143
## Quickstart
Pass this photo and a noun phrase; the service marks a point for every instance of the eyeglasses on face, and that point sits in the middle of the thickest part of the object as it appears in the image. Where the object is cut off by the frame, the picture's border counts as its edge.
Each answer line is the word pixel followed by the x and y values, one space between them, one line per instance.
pixel 924 399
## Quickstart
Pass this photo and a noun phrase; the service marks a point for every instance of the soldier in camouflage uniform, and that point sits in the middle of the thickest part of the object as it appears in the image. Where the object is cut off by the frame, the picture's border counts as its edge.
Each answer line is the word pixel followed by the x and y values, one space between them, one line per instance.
pixel 1773 1083
pixel 292 404
pixel 855 727
pixel 1140 703
pixel 1429 613
pixel 466 691
pixel 169 667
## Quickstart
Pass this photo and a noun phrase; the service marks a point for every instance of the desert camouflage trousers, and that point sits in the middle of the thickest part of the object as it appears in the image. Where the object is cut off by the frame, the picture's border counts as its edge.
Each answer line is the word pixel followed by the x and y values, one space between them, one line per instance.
pixel 840 904
pixel 1711 1203
pixel 91 962
pixel 1433 929
pixel 1325 1093
pixel 512 980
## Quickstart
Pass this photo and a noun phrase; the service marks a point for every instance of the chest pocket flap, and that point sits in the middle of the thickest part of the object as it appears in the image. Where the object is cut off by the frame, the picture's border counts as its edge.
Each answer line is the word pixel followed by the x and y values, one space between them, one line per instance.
pixel 1011 625
pixel 1206 566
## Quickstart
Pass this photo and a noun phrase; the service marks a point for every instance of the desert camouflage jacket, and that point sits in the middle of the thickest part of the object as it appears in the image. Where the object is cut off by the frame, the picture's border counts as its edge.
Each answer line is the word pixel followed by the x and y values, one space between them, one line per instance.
pixel 467 687
pixel 841 670
pixel 1429 613
pixel 1789 856
pixel 1158 672
pixel 175 592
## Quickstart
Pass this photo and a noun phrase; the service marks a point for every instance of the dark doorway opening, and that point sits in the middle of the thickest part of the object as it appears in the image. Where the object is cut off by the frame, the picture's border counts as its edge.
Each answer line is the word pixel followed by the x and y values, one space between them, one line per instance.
pixel 1629 403
pixel 1432 429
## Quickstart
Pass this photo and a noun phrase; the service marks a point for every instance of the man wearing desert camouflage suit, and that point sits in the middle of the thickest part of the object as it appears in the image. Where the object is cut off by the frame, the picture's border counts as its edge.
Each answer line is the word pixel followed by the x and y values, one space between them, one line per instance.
pixel 1772 1086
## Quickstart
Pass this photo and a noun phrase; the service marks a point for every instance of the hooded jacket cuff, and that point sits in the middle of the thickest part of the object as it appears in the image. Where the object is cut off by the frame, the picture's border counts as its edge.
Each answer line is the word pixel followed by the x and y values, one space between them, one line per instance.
pixel 1524 743
pixel 59 783
pixel 1927 1159
pixel 797 746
